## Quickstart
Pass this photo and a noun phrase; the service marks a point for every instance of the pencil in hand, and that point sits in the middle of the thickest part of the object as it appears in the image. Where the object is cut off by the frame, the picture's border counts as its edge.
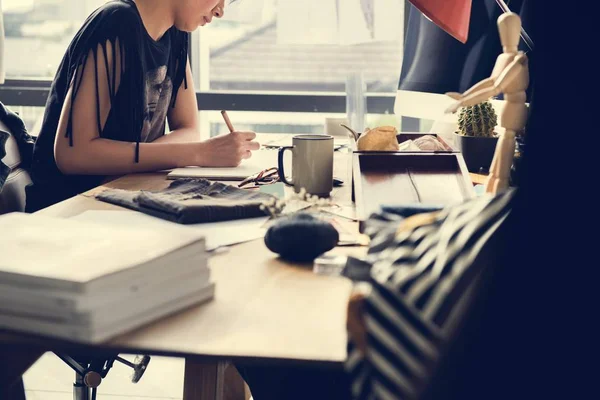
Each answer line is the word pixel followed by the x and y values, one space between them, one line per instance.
pixel 246 138
pixel 227 121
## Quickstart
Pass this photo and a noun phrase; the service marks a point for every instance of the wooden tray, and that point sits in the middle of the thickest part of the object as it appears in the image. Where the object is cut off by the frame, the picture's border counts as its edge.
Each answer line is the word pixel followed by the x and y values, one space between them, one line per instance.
pixel 404 136
pixel 400 178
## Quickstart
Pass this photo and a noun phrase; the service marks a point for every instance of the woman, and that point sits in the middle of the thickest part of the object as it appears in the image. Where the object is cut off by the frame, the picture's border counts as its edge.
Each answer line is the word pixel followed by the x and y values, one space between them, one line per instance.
pixel 123 76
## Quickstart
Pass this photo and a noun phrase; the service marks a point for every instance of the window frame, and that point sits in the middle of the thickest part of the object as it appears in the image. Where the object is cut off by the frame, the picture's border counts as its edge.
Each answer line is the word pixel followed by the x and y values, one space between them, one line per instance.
pixel 34 93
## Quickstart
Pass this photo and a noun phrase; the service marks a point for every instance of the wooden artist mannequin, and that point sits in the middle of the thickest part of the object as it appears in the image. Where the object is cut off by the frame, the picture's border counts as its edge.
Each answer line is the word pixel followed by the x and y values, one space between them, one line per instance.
pixel 510 76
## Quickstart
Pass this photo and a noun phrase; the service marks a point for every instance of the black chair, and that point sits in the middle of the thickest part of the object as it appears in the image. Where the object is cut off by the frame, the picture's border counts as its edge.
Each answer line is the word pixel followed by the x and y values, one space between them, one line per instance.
pixel 90 371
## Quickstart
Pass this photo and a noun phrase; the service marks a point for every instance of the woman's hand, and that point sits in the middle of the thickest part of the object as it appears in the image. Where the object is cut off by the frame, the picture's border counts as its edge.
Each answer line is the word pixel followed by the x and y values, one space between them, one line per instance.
pixel 227 150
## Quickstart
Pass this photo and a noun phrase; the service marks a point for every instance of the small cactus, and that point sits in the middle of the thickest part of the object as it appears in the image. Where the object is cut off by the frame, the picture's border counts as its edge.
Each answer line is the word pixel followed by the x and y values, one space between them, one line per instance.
pixel 478 120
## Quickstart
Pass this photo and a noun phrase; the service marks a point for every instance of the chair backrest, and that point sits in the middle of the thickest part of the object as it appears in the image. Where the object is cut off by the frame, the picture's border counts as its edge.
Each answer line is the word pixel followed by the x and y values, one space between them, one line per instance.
pixel 12 196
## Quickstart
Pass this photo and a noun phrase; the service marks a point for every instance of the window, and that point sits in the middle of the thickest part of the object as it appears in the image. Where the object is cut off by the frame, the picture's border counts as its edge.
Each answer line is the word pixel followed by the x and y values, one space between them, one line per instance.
pixel 249 55
pixel 38 33
pixel 31 116
pixel 238 64
pixel 280 122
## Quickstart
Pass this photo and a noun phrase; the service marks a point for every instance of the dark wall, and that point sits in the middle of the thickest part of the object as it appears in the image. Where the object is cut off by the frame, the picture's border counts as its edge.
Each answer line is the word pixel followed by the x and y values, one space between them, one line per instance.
pixel 435 62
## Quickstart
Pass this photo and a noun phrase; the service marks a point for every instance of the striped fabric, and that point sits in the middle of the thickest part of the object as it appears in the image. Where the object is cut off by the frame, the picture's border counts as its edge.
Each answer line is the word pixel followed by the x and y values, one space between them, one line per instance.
pixel 419 283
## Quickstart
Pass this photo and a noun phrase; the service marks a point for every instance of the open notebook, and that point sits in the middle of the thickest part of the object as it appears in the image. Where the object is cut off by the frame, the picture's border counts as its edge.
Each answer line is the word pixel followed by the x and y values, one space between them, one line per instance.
pixel 260 160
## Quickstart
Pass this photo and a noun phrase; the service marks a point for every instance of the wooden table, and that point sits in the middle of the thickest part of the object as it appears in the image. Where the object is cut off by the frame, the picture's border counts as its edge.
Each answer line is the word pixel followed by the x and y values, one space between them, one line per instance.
pixel 264 309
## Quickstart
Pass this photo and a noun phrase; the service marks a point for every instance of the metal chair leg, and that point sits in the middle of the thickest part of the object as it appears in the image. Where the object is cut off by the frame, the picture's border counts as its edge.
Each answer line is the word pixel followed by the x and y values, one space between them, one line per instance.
pixel 80 389
pixel 88 376
pixel 89 373
pixel 138 366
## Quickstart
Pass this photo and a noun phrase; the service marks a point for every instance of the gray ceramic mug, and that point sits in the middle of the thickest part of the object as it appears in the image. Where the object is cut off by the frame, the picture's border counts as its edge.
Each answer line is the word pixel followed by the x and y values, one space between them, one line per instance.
pixel 312 164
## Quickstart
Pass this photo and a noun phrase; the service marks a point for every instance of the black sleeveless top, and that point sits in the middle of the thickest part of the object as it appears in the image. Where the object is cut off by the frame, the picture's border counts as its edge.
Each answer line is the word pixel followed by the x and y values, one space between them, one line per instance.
pixel 153 71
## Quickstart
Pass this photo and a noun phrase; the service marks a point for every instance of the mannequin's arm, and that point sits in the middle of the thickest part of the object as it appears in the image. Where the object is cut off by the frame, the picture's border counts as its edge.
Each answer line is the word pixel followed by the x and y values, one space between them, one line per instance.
pixel 513 70
pixel 484 84
pixel 475 98
pixel 506 77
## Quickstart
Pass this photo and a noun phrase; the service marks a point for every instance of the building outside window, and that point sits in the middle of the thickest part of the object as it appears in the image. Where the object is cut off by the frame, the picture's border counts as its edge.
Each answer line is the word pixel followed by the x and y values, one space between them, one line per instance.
pixel 229 57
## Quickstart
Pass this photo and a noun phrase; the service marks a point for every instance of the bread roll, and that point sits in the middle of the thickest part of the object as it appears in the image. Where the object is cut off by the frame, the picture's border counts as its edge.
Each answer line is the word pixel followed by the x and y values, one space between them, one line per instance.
pixel 382 138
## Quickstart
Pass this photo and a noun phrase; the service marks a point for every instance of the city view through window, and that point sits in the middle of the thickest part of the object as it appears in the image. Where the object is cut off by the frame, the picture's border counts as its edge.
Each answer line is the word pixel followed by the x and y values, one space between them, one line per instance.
pixel 241 53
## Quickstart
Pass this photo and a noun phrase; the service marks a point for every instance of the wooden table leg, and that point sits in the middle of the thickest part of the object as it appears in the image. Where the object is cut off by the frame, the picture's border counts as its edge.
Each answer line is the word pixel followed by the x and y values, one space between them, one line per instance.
pixel 200 381
pixel 212 381
pixel 235 388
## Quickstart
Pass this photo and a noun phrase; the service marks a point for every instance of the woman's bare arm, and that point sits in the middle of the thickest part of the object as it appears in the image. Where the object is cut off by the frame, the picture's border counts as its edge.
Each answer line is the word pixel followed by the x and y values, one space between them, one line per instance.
pixel 93 155
pixel 183 118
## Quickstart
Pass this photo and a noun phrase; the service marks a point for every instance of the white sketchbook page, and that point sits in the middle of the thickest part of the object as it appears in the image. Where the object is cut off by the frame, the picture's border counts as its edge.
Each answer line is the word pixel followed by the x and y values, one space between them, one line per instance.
pixel 216 234
pixel 260 160
pixel 307 22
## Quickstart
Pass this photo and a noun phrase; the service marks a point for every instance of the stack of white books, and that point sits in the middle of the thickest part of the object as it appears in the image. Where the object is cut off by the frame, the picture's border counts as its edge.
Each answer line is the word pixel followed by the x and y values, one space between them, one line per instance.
pixel 90 282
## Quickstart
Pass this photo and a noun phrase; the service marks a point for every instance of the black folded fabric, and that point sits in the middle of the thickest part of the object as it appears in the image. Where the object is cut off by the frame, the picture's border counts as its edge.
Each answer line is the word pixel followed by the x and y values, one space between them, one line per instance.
pixel 191 201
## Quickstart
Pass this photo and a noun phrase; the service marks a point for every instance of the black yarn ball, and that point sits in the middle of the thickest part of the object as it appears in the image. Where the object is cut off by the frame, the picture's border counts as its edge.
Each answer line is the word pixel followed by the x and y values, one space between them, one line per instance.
pixel 301 238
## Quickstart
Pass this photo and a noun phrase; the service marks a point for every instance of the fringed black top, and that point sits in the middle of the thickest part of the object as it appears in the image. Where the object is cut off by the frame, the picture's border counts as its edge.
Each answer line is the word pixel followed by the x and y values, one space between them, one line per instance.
pixel 150 74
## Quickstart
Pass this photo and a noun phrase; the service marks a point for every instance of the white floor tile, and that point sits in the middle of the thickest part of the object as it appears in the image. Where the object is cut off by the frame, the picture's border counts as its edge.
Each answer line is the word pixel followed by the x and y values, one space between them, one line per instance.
pixel 163 380
pixel 39 395
pixel 49 374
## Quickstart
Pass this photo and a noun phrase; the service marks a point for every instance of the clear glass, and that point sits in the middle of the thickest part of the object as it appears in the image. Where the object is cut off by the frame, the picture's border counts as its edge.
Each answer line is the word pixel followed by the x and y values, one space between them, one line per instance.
pixel 239 52
pixel 242 52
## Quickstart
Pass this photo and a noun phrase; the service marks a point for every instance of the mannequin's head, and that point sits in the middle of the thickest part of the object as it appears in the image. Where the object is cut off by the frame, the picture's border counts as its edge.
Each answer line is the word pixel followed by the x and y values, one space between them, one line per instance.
pixel 509 27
